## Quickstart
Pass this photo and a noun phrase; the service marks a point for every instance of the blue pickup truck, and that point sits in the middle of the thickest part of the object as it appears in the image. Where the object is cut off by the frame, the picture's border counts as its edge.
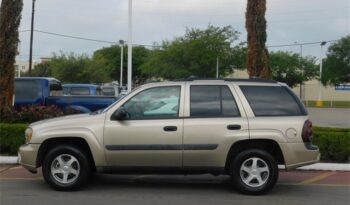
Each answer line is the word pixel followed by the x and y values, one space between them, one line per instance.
pixel 48 91
pixel 81 89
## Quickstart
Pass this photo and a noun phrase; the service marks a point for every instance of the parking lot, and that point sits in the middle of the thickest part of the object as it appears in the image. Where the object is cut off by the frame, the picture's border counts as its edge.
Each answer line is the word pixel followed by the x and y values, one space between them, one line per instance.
pixel 330 117
pixel 298 187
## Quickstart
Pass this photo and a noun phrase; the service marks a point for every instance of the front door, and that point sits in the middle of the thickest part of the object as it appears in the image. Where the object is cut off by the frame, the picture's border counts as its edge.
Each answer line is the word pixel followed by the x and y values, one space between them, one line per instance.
pixel 151 134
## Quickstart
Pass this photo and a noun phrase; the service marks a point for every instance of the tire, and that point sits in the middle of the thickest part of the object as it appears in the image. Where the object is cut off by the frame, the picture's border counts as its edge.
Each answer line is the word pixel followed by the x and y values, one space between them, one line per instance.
pixel 66 168
pixel 254 172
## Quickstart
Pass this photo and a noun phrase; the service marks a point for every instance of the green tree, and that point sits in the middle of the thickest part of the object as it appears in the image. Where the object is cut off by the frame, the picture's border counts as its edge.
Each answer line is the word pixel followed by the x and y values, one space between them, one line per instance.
pixel 239 56
pixel 290 68
pixel 258 57
pixel 41 70
pixel 68 67
pixel 336 67
pixel 111 57
pixel 10 18
pixel 73 68
pixel 195 53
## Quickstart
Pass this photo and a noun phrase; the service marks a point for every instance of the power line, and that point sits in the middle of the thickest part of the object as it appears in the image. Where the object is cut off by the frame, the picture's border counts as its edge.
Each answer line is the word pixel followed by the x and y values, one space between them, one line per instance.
pixel 300 44
pixel 76 37
pixel 86 39
pixel 154 46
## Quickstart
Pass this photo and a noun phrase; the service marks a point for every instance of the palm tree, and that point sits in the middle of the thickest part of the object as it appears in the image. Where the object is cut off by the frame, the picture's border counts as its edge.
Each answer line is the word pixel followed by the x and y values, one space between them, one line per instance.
pixel 257 57
pixel 10 18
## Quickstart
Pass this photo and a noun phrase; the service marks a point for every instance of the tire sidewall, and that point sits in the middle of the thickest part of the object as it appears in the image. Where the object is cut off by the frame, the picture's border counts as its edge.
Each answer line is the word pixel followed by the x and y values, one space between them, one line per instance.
pixel 83 163
pixel 235 171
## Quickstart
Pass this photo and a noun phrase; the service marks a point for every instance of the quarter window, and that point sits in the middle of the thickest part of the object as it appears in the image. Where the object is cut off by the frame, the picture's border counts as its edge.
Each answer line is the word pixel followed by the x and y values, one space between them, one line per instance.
pixel 272 101
pixel 154 103
pixel 212 101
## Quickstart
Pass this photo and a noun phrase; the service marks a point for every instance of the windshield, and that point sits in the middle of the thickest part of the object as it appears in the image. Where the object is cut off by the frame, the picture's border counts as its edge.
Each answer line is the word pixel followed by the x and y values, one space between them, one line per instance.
pixel 120 98
pixel 109 107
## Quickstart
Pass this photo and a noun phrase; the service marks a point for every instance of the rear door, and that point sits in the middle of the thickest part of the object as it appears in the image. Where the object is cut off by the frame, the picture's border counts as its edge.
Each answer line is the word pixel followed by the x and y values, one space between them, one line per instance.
pixel 215 120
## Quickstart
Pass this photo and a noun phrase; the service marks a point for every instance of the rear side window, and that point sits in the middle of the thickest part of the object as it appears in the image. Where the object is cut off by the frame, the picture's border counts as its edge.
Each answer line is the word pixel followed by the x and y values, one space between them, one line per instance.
pixel 27 89
pixel 272 101
pixel 79 91
pixel 212 101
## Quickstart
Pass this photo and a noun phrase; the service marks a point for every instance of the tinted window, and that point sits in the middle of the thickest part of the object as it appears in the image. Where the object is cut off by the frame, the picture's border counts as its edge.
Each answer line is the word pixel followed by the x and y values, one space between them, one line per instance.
pixel 212 101
pixel 80 91
pixel 154 103
pixel 65 91
pixel 109 91
pixel 98 91
pixel 271 101
pixel 27 89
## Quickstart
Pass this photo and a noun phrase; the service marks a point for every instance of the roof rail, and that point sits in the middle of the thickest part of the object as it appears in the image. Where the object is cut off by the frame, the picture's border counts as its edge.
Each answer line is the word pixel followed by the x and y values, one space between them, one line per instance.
pixel 252 79
pixel 192 78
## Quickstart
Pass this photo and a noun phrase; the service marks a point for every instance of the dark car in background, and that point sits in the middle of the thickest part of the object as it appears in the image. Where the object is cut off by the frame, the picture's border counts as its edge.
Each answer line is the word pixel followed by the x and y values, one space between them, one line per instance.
pixel 49 91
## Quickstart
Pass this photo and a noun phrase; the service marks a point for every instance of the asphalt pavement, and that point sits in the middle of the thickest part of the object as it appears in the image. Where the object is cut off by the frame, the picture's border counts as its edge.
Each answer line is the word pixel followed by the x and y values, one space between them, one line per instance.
pixel 330 117
pixel 18 187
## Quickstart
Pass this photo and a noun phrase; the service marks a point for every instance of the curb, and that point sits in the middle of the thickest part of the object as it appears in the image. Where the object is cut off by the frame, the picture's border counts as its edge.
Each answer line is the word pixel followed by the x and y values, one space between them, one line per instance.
pixel 8 160
pixel 314 167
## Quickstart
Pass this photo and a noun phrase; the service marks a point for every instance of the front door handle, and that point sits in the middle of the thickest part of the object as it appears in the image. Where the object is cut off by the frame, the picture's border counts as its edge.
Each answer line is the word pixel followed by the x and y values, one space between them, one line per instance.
pixel 233 127
pixel 170 128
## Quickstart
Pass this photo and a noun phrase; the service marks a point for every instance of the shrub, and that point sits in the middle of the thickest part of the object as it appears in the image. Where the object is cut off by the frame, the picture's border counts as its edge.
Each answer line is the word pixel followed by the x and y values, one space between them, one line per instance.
pixel 11 137
pixel 32 113
pixel 334 143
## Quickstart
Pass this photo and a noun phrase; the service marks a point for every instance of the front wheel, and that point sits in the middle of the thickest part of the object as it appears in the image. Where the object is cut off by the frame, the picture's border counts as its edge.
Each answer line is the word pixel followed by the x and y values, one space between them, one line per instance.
pixel 66 168
pixel 254 171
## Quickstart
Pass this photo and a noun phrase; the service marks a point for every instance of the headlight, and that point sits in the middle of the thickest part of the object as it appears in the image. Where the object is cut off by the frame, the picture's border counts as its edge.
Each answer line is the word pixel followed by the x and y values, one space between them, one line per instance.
pixel 28 134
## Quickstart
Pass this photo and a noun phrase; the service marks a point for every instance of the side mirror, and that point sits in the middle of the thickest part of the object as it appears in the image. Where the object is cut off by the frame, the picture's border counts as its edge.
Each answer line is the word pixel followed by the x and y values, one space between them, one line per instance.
pixel 120 114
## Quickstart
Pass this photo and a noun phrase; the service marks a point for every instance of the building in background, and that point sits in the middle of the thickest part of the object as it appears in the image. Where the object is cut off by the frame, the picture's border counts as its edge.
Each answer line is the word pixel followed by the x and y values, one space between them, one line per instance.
pixel 309 90
pixel 22 66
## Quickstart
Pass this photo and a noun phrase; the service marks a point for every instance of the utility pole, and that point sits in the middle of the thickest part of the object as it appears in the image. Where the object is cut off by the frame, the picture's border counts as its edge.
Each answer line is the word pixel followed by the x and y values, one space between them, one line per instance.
pixel 130 47
pixel 31 39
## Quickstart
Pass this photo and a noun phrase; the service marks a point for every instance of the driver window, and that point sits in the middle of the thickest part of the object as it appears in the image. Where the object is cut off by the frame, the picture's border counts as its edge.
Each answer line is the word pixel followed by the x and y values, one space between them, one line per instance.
pixel 154 103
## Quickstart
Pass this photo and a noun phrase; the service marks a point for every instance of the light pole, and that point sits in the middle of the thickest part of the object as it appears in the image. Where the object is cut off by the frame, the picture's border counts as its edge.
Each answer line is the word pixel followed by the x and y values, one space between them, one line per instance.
pixel 217 67
pixel 121 43
pixel 301 68
pixel 31 39
pixel 319 99
pixel 130 47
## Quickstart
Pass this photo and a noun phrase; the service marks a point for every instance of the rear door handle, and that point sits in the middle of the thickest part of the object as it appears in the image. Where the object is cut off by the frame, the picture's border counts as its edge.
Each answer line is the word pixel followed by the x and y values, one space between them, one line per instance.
pixel 170 128
pixel 233 127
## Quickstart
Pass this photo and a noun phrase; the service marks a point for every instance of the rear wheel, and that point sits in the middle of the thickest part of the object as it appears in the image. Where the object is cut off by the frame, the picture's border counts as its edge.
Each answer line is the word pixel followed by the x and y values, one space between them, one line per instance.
pixel 66 168
pixel 254 171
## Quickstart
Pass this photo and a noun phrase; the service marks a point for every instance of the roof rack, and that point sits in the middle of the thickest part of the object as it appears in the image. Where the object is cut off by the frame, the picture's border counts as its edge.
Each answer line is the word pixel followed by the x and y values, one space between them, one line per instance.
pixel 252 79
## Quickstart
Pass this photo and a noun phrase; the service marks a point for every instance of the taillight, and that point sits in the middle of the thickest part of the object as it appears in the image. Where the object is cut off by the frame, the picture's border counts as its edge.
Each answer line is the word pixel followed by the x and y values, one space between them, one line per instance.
pixel 307 131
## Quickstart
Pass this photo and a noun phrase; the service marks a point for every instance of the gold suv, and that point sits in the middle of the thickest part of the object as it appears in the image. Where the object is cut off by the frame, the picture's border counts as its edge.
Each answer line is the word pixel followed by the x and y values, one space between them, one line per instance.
pixel 244 128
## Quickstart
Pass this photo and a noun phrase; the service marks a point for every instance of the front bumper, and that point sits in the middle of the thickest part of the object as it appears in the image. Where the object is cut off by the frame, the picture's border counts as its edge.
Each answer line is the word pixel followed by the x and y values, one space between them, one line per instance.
pixel 27 156
pixel 298 155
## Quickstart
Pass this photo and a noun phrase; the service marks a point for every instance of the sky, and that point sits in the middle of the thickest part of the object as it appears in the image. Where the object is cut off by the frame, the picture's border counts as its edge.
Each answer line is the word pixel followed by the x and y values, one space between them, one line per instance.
pixel 288 21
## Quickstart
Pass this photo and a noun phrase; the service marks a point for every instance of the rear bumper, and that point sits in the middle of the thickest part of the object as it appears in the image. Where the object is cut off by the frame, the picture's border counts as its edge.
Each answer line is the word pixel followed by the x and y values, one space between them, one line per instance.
pixel 27 156
pixel 298 155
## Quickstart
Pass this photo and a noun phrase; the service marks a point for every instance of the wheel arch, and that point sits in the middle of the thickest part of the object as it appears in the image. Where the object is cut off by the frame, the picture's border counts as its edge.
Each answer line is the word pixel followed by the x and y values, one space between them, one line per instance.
pixel 78 142
pixel 268 145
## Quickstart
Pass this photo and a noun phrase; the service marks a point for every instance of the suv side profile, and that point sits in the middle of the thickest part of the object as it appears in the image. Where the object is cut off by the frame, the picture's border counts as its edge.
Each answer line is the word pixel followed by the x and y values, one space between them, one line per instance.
pixel 244 128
